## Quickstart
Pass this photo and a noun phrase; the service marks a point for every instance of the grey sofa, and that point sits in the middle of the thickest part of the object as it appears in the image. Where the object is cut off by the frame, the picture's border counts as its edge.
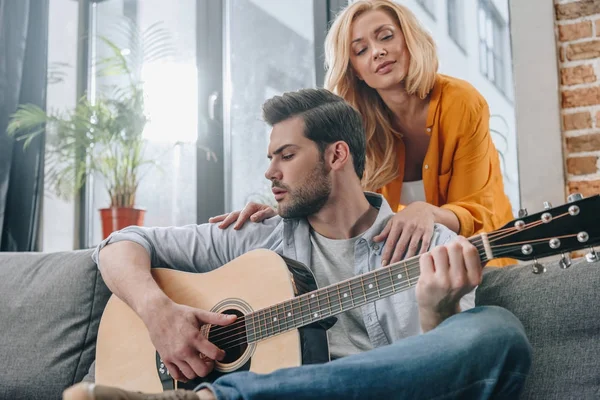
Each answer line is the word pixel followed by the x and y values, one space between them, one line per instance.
pixel 51 304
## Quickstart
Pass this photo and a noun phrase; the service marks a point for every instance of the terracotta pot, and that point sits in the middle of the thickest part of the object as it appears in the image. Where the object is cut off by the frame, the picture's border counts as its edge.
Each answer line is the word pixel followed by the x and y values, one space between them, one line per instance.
pixel 115 218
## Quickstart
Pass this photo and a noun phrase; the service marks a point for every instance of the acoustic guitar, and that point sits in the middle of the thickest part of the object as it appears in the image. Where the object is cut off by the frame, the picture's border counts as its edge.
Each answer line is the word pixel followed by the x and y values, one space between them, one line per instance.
pixel 283 316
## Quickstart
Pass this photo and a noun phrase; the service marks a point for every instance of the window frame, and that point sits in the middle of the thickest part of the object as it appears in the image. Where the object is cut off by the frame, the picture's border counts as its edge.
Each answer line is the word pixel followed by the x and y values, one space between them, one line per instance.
pixel 429 7
pixel 497 50
pixel 454 8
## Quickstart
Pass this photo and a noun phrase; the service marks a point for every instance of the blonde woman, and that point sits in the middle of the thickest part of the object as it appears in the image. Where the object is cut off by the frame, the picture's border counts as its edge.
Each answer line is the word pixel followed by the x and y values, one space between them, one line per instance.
pixel 429 149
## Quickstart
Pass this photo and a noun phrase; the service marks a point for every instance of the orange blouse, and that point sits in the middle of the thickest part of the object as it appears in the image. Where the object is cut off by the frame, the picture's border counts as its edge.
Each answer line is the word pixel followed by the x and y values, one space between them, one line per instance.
pixel 461 170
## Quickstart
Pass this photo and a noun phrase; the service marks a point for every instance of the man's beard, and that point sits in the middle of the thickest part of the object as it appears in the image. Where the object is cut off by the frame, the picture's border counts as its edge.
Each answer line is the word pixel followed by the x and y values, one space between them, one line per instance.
pixel 310 197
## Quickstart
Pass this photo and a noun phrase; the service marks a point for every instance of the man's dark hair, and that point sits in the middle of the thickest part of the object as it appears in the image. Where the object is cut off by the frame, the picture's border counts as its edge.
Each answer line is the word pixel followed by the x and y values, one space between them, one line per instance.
pixel 327 119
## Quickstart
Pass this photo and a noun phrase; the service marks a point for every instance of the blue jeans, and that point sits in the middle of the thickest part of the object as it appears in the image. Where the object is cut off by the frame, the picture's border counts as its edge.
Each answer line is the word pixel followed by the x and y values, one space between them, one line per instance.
pixel 478 354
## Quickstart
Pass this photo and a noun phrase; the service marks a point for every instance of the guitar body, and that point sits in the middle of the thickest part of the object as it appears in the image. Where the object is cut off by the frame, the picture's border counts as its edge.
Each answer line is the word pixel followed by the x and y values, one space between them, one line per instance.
pixel 126 357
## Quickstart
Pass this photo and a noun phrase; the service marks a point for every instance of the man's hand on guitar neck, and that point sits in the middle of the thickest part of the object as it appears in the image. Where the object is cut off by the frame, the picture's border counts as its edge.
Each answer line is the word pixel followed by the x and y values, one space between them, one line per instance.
pixel 175 332
pixel 447 274
pixel 174 328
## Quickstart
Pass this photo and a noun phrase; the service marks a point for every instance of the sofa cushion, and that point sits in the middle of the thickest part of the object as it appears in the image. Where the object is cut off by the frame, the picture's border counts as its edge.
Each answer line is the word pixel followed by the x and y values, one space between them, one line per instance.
pixel 51 307
pixel 560 310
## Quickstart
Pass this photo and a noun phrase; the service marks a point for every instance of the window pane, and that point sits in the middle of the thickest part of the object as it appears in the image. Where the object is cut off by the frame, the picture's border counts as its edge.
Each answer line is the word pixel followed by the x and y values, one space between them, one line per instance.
pixel 167 192
pixel 269 50
pixel 481 23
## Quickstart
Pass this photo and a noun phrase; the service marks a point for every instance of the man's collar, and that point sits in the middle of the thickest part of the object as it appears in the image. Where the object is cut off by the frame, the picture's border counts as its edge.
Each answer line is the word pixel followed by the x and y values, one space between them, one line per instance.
pixel 383 215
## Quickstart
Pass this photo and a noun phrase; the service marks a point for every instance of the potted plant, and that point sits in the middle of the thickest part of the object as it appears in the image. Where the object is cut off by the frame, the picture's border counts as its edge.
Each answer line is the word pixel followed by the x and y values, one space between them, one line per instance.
pixel 103 136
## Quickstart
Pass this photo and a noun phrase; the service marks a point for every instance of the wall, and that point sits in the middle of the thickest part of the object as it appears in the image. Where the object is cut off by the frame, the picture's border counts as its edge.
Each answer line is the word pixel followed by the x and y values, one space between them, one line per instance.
pixel 578 40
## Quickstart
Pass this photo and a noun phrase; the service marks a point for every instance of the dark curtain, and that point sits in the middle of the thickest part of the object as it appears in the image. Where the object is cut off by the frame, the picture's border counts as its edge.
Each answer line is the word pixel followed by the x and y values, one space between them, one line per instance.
pixel 23 70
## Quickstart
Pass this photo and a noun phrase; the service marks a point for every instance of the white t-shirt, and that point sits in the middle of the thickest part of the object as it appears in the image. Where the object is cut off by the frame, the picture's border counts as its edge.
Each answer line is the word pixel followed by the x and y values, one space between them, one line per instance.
pixel 411 192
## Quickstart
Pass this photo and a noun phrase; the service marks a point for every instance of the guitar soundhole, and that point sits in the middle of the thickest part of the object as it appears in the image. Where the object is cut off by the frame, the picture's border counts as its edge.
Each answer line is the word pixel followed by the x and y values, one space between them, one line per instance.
pixel 231 338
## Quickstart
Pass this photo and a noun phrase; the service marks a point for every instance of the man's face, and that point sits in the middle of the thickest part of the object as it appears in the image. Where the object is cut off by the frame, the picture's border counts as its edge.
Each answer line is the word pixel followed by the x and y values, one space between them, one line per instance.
pixel 299 176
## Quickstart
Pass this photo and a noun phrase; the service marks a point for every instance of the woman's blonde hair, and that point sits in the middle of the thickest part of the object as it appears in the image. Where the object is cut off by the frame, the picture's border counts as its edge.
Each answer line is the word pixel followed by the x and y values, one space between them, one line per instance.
pixel 382 161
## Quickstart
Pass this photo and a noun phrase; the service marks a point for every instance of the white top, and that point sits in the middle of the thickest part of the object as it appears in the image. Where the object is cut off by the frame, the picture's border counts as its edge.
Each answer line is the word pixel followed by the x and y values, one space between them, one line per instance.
pixel 412 191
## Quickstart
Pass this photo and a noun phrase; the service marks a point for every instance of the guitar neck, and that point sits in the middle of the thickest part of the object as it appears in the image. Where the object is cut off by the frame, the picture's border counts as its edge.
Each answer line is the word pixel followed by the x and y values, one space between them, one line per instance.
pixel 340 297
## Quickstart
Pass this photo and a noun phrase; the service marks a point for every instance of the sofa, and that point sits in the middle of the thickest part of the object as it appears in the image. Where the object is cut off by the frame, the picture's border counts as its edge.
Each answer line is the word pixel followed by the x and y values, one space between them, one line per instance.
pixel 51 305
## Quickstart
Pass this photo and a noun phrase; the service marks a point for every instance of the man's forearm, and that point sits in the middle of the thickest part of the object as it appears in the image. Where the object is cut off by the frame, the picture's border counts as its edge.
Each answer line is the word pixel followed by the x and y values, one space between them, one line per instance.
pixel 125 268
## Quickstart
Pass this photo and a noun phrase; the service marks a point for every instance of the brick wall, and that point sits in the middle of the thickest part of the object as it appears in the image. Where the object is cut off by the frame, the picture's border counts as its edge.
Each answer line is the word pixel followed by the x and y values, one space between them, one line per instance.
pixel 578 39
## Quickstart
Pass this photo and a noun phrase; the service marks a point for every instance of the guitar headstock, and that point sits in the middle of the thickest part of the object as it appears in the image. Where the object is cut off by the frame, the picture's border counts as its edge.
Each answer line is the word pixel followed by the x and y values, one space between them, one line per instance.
pixel 572 226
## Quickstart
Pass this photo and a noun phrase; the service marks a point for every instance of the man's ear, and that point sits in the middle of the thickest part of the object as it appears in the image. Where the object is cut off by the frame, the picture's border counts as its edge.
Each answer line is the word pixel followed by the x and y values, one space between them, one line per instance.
pixel 339 155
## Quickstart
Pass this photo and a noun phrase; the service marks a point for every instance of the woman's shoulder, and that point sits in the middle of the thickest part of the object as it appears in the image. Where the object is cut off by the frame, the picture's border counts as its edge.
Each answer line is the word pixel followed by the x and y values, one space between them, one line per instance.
pixel 456 93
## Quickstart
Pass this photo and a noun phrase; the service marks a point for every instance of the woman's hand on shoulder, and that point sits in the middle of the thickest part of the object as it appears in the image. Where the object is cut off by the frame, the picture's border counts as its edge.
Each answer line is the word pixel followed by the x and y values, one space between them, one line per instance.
pixel 408 233
pixel 254 212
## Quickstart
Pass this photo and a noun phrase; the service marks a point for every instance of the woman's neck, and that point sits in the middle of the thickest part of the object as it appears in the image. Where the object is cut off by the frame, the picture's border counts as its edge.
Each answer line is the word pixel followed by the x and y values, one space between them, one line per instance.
pixel 409 111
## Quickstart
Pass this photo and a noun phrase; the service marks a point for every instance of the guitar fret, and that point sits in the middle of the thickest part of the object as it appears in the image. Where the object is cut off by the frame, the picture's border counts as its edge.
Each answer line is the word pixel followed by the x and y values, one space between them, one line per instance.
pixel 362 285
pixel 337 287
pixel 317 313
pixel 351 293
pixel 392 279
pixel 377 284
pixel 277 320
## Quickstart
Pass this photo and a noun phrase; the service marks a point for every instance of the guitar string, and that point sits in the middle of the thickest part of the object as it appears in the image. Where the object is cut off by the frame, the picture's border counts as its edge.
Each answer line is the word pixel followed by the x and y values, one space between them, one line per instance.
pixel 240 338
pixel 325 293
pixel 342 304
pixel 297 303
pixel 477 240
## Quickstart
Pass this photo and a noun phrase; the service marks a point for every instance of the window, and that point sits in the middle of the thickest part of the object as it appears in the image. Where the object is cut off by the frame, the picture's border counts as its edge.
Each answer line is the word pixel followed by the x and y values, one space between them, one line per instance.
pixel 492 44
pixel 456 27
pixel 429 6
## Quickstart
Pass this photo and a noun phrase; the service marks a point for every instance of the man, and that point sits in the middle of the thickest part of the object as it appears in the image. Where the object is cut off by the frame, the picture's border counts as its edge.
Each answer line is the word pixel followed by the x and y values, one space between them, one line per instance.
pixel 317 152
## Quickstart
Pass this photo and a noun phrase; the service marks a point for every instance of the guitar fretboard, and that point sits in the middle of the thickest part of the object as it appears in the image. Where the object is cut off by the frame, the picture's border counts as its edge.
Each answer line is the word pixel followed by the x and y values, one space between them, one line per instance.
pixel 335 299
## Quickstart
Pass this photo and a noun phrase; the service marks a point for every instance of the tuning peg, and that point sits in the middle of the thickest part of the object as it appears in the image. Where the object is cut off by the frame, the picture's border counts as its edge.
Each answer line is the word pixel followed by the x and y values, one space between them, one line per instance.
pixel 522 213
pixel 565 261
pixel 547 205
pixel 574 197
pixel 592 256
pixel 537 268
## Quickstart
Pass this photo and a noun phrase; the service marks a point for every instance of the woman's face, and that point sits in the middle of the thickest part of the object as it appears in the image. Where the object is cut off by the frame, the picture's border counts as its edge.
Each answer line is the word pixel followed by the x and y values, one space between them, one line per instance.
pixel 378 50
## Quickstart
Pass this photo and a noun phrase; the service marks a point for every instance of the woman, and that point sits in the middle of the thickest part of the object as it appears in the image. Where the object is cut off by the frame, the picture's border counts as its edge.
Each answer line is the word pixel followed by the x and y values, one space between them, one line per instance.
pixel 429 149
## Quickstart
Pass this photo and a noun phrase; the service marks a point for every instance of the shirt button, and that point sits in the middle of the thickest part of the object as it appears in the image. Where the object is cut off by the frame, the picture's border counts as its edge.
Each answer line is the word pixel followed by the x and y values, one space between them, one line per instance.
pixel 376 247
pixel 426 166
pixel 428 129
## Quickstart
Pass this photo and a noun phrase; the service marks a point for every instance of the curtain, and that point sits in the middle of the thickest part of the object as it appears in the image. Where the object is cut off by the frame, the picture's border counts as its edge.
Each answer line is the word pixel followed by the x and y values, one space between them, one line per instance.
pixel 23 71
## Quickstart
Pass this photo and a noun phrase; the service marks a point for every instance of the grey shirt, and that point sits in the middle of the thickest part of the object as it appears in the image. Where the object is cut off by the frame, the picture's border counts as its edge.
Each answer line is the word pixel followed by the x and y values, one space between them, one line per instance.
pixel 202 248
pixel 332 261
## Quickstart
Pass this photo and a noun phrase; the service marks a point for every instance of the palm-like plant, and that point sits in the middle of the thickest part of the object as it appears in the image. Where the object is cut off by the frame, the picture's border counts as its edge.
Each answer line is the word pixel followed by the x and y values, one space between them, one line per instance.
pixel 102 136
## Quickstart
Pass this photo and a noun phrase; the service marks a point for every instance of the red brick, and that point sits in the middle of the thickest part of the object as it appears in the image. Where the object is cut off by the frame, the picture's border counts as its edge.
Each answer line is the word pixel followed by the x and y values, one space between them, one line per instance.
pixel 582 165
pixel 584 50
pixel 578 74
pixel 579 120
pixel 577 9
pixel 586 188
pixel 575 31
pixel 581 143
pixel 581 97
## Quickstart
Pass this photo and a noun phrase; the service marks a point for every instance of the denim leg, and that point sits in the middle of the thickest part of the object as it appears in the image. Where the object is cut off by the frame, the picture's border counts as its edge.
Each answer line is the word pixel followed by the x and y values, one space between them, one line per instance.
pixel 478 354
